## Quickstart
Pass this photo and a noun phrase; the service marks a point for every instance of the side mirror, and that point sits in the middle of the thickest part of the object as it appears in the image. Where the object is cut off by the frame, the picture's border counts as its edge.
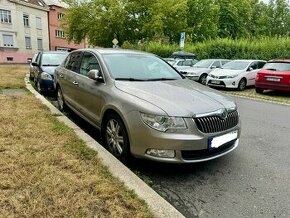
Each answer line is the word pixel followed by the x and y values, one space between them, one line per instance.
pixel 250 69
pixel 213 67
pixel 96 75
pixel 34 64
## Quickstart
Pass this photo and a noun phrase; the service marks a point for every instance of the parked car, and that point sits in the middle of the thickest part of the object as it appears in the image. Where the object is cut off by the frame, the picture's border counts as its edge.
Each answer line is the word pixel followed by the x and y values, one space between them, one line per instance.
pixel 44 67
pixel 31 68
pixel 201 69
pixel 145 108
pixel 235 74
pixel 182 64
pixel 275 75
pixel 183 55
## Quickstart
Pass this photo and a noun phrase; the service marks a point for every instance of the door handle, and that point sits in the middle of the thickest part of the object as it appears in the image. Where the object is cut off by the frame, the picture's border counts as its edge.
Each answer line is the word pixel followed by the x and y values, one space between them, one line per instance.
pixel 75 83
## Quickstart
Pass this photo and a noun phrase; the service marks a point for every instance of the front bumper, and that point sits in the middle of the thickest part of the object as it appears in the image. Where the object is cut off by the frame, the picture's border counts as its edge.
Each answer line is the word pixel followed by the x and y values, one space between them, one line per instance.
pixel 226 83
pixel 271 86
pixel 46 85
pixel 190 145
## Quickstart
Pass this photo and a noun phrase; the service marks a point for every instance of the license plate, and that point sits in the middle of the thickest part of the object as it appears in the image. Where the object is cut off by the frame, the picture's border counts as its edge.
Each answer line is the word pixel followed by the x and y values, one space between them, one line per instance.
pixel 223 139
pixel 273 79
pixel 215 82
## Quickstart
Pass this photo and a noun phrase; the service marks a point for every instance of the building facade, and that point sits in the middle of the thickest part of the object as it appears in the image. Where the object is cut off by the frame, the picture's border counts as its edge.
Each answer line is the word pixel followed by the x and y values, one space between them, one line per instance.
pixel 23 29
pixel 57 39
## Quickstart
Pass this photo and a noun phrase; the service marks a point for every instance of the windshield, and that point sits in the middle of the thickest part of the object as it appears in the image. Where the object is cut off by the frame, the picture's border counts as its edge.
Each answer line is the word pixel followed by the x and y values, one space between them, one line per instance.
pixel 203 64
pixel 52 59
pixel 139 67
pixel 236 65
pixel 277 66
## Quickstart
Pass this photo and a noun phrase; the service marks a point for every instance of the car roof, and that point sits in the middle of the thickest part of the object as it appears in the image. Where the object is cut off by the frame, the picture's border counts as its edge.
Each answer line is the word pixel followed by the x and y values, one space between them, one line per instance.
pixel 54 52
pixel 280 60
pixel 248 60
pixel 103 51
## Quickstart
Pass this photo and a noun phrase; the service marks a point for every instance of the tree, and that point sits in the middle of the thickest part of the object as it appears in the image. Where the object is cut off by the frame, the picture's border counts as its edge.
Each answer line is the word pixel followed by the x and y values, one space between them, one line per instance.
pixel 203 16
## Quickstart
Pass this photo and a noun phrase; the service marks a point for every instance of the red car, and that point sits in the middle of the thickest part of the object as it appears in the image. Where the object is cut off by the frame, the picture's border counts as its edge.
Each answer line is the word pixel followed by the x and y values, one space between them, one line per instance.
pixel 275 75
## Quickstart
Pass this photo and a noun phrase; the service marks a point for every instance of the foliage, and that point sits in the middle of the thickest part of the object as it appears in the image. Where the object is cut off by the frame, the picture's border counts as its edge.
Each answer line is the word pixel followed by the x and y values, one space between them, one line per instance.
pixel 265 48
pixel 142 21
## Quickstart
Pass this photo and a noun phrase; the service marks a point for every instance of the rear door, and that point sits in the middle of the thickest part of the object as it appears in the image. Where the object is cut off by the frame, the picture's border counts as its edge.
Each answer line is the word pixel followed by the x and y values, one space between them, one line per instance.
pixel 67 78
pixel 251 74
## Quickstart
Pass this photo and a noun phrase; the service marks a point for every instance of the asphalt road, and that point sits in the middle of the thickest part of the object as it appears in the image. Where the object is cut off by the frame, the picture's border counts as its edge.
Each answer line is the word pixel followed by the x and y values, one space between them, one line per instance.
pixel 252 181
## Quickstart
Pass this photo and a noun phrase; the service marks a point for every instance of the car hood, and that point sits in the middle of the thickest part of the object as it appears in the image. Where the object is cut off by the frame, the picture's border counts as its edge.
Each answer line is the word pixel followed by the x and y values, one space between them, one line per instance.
pixel 225 72
pixel 49 69
pixel 183 98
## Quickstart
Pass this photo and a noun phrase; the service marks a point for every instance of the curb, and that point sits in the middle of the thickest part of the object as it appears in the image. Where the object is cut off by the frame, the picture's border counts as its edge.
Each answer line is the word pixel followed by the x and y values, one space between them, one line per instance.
pixel 157 205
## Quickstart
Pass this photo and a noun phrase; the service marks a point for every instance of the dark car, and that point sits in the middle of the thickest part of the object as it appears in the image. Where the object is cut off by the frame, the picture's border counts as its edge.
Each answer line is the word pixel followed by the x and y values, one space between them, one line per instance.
pixel 44 67
pixel 275 75
pixel 183 55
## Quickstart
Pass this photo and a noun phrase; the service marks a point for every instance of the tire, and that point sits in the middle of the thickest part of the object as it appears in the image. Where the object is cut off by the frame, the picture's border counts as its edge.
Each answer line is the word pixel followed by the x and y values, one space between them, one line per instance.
pixel 242 84
pixel 202 79
pixel 259 90
pixel 60 100
pixel 38 87
pixel 115 137
pixel 31 77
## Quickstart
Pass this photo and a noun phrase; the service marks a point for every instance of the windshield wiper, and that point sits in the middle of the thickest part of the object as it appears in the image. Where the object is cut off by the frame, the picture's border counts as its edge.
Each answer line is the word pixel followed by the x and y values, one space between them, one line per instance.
pixel 161 79
pixel 130 79
pixel 49 65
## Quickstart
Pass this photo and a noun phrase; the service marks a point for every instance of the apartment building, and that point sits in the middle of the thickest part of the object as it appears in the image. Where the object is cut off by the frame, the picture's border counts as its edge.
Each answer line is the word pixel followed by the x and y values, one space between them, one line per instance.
pixel 57 39
pixel 23 29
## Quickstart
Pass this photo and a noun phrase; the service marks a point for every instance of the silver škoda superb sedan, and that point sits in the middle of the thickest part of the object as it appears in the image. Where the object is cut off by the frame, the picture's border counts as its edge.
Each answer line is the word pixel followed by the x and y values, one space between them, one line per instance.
pixel 145 108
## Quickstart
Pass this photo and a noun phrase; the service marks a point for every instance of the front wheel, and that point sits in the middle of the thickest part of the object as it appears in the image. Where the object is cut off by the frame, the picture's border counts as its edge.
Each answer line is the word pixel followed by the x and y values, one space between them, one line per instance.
pixel 115 137
pixel 202 79
pixel 259 90
pixel 60 100
pixel 242 84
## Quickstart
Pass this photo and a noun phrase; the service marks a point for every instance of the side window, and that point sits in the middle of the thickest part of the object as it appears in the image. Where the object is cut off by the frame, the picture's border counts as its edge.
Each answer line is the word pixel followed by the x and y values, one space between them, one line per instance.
pixel 224 62
pixel 37 57
pixel 216 64
pixel 261 64
pixel 89 62
pixel 73 62
pixel 254 65
pixel 180 63
pixel 188 63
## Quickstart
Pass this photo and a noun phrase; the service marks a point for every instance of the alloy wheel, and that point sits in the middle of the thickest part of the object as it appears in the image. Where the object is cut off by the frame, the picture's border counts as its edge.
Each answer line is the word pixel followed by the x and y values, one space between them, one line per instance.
pixel 242 84
pixel 114 137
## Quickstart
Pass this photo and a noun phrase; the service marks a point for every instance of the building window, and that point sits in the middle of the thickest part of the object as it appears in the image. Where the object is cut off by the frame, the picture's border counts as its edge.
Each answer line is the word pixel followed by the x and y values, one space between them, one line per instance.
pixel 5 16
pixel 38 23
pixel 39 44
pixel 9 58
pixel 7 40
pixel 59 34
pixel 26 20
pixel 27 42
pixel 60 16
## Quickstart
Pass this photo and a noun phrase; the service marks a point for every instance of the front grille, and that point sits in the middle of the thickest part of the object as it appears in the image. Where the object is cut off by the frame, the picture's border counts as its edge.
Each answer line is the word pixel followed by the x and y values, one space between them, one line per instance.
pixel 213 124
pixel 207 153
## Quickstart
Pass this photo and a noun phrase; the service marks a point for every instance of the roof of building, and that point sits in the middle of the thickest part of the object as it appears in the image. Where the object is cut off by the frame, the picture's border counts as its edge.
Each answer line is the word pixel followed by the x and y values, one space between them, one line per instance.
pixel 40 4
pixel 58 3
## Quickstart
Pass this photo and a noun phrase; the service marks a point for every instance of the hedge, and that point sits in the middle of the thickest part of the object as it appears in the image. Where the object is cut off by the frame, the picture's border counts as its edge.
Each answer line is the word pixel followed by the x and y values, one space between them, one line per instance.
pixel 253 48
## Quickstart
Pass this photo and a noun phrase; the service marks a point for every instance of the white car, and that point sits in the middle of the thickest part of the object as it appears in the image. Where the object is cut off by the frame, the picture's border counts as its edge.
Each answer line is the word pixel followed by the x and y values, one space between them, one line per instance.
pixel 236 74
pixel 201 69
pixel 182 64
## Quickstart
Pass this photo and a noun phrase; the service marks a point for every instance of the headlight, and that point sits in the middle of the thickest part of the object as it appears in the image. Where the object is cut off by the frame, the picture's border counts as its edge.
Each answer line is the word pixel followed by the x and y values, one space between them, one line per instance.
pixel 233 76
pixel 163 123
pixel 45 76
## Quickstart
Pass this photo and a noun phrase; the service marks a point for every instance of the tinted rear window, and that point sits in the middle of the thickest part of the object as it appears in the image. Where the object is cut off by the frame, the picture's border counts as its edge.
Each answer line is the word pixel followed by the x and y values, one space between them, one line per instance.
pixel 277 66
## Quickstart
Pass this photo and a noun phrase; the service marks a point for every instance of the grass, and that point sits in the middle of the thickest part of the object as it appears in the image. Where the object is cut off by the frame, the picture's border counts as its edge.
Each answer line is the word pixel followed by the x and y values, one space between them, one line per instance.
pixel 274 96
pixel 46 171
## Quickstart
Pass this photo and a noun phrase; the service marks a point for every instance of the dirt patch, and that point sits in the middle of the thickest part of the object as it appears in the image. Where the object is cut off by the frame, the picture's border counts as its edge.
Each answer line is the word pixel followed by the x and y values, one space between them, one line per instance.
pixel 13 92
